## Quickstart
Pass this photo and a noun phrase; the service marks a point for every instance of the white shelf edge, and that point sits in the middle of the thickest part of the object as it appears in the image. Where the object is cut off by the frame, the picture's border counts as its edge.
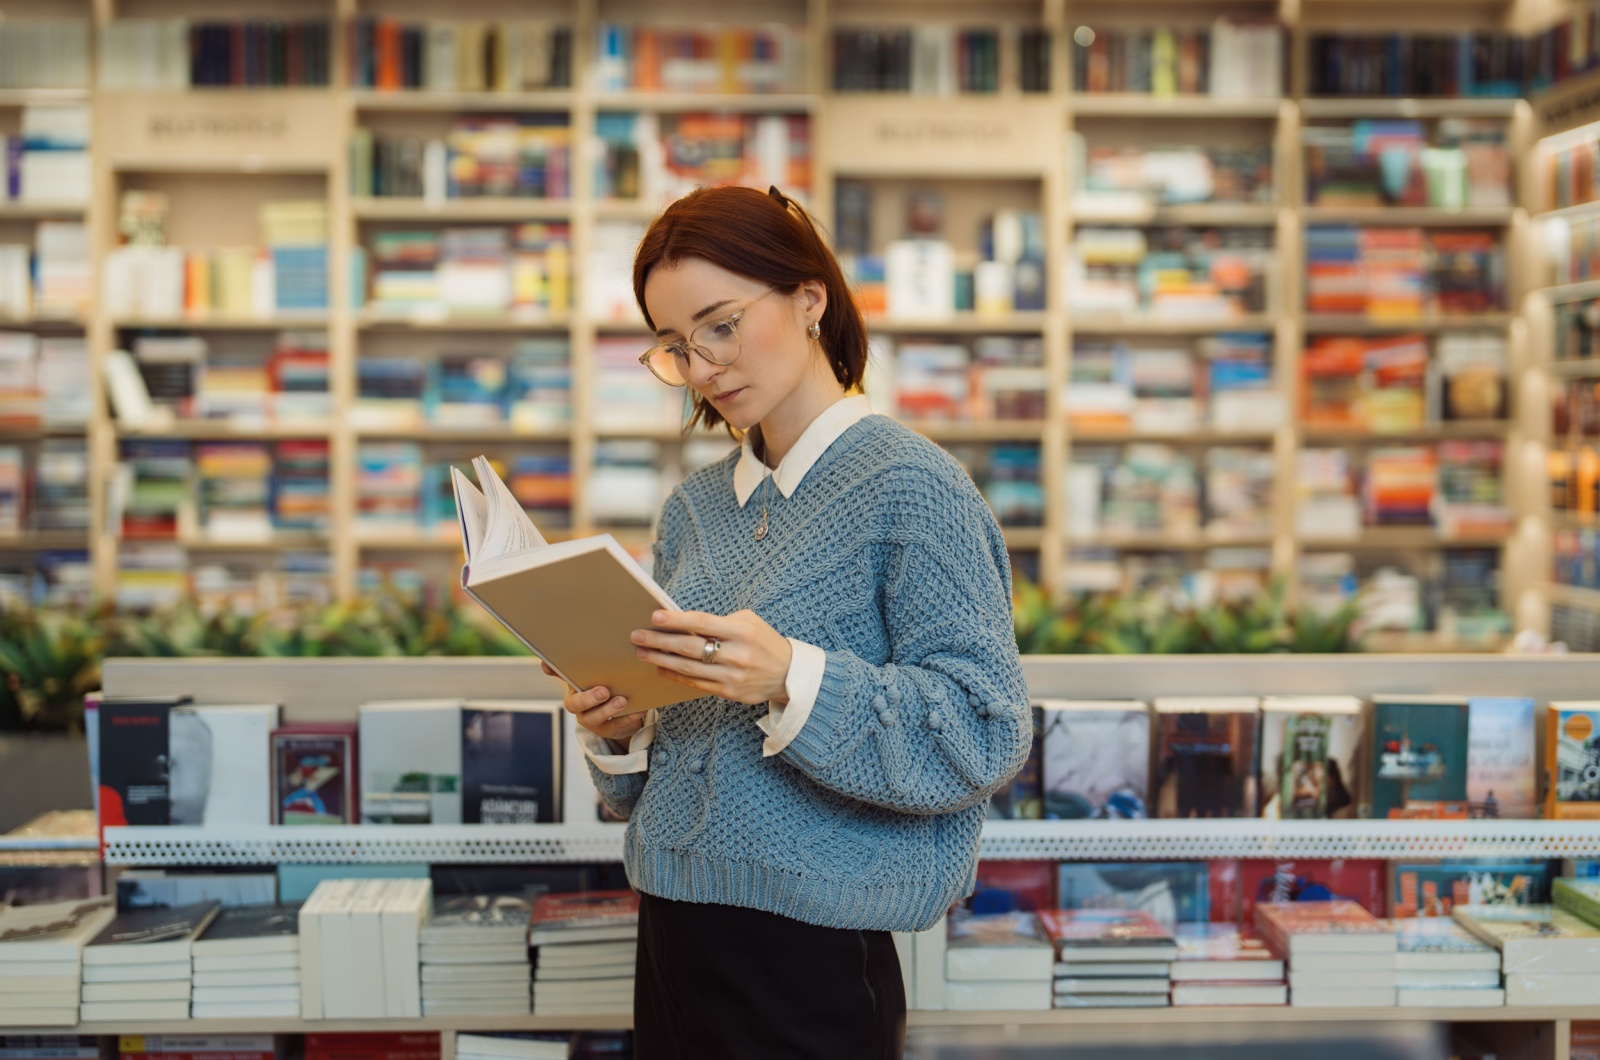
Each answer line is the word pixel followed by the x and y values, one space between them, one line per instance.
pixel 1005 840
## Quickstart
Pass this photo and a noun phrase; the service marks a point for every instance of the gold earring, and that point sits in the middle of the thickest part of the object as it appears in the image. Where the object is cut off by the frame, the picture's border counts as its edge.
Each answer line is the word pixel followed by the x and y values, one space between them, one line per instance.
pixel 815 330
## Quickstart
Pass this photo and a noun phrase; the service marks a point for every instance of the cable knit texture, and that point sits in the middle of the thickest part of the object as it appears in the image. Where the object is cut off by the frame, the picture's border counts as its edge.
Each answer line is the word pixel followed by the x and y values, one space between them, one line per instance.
pixel 888 559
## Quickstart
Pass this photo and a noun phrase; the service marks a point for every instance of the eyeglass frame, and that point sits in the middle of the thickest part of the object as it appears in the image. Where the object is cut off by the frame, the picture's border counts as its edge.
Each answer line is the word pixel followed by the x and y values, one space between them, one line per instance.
pixel 694 348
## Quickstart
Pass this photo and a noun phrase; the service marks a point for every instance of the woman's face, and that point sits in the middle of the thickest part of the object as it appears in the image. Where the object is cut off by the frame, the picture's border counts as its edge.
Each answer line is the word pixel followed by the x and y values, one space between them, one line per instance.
pixel 774 350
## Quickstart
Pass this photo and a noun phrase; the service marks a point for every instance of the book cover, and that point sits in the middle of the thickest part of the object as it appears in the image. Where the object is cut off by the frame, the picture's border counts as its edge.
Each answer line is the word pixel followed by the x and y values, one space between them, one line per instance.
pixel 313 772
pixel 1173 892
pixel 1358 880
pixel 1006 946
pixel 251 929
pixel 1417 938
pixel 411 762
pixel 1223 953
pixel 135 784
pixel 1572 761
pixel 1433 889
pixel 1301 927
pixel 1500 757
pixel 1121 933
pixel 1580 898
pixel 220 771
pixel 138 936
pixel 472 918
pixel 1004 886
pixel 510 763
pixel 1023 798
pixel 158 888
pixel 1096 759
pixel 1419 752
pixel 1310 750
pixel 553 912
pixel 55 931
pixel 1534 938
pixel 1206 756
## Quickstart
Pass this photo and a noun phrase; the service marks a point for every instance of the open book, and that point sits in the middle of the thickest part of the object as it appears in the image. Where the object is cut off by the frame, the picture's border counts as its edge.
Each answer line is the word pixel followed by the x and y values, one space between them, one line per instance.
pixel 574 603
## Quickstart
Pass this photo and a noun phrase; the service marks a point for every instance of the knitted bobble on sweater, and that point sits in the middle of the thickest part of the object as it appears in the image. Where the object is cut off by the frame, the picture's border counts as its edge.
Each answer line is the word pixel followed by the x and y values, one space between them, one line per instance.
pixel 888 559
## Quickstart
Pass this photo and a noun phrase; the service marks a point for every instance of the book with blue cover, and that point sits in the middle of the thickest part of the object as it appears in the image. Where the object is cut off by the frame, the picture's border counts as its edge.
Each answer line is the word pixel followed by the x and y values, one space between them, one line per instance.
pixel 1500 757
pixel 1174 892
pixel 1419 752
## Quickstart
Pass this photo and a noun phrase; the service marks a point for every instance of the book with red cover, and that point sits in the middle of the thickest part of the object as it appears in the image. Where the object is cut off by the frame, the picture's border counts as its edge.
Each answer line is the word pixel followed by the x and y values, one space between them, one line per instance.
pixel 555 914
pixel 314 771
pixel 1003 886
pixel 1360 880
pixel 373 1046
pixel 1108 934
pixel 1300 929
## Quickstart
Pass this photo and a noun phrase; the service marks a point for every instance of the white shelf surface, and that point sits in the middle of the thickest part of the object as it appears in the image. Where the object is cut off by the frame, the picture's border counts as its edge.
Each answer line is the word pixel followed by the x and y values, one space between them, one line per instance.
pixel 1005 840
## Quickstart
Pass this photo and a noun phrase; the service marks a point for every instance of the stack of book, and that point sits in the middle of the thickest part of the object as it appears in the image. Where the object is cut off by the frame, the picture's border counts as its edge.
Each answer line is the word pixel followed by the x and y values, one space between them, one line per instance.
pixel 1339 955
pixel 459 56
pixel 247 964
pixel 1220 964
pixel 1474 64
pixel 359 945
pixel 1471 499
pixel 525 156
pixel 475 956
pixel 1238 59
pixel 198 1047
pixel 1109 958
pixel 655 158
pixel 49 162
pixel 177 54
pixel 998 961
pixel 389 487
pixel 41 959
pixel 1399 486
pixel 44 53
pixel 1548 955
pixel 140 965
pixel 1439 964
pixel 584 949
pixel 64 275
pixel 521 1045
pixel 704 58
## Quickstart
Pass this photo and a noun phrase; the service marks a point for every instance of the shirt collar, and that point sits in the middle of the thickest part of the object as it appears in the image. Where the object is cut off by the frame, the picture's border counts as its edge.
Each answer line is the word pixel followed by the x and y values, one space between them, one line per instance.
pixel 808 449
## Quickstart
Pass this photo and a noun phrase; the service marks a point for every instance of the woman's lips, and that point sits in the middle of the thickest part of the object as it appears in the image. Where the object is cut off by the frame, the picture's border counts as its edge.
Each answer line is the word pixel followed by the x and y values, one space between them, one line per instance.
pixel 729 395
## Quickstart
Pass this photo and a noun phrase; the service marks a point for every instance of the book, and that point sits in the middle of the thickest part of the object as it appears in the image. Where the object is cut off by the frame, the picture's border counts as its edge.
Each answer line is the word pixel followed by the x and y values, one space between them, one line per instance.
pixel 1206 756
pixel 1173 892
pixel 1572 760
pixel 132 738
pixel 1430 946
pixel 1432 890
pixel 1579 897
pixel 1223 953
pixel 598 916
pixel 538 591
pixel 1539 939
pixel 1419 751
pixel 148 936
pixel 148 888
pixel 1014 995
pixel 1223 993
pixel 1500 757
pixel 54 932
pixel 479 918
pixel 1307 929
pixel 219 771
pixel 251 930
pixel 1310 748
pixel 411 762
pixel 510 762
pixel 997 946
pixel 1108 935
pixel 1096 759
pixel 313 772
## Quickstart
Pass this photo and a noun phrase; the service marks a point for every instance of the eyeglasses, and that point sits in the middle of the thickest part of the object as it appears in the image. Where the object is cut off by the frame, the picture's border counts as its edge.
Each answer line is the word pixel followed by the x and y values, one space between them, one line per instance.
pixel 715 340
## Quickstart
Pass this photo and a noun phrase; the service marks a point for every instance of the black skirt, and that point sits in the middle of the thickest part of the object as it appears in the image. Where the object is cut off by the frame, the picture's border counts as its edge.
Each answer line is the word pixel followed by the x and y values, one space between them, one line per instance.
pixel 720 981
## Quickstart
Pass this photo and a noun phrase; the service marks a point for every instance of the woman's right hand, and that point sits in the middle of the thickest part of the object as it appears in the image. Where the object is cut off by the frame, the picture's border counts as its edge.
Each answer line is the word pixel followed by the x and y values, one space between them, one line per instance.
pixel 601 713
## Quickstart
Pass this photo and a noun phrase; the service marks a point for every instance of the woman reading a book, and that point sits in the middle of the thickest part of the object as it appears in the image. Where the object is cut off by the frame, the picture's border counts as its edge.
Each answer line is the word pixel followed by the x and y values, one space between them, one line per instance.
pixel 850 628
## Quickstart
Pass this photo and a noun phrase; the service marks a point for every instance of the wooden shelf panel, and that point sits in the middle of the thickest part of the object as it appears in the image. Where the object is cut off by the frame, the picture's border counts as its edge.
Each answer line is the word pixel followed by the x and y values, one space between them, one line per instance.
pixel 1101 324
pixel 276 322
pixel 369 100
pixel 428 210
pixel 1332 323
pixel 1575 596
pixel 1380 107
pixel 1431 643
pixel 1170 542
pixel 1024 538
pixel 1378 538
pixel 1196 436
pixel 27 211
pixel 45 541
pixel 372 320
pixel 429 433
pixel 974 431
pixel 1582 210
pixel 35 434
pixel 1587 368
pixel 741 103
pixel 1418 216
pixel 1571 292
pixel 961 324
pixel 203 430
pixel 1196 214
pixel 45 322
pixel 240 163
pixel 1424 433
pixel 1565 520
pixel 22 97
pixel 378 542
pixel 1139 105
pixel 283 542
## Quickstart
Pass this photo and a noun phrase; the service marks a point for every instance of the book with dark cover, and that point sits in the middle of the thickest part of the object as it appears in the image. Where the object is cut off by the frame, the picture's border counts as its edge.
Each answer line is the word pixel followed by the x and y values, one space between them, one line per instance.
pixel 1500 757
pixel 1433 889
pixel 474 918
pixel 1206 756
pixel 1265 881
pixel 510 763
pixel 1419 751
pixel 1022 799
pixel 1108 934
pixel 135 778
pixel 1310 750
pixel 140 936
pixel 1174 892
pixel 252 929
pixel 314 771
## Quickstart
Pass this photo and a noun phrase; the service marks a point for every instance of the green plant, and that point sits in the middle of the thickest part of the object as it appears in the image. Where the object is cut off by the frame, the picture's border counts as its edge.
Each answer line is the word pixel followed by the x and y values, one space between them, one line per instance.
pixel 48 660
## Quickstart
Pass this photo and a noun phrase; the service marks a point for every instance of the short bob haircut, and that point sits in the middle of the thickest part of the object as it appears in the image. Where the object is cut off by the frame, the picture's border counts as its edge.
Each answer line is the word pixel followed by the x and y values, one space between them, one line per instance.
pixel 769 238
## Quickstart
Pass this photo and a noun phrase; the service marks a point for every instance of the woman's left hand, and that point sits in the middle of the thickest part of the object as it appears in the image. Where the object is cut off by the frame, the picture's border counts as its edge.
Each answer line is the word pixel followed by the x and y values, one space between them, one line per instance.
pixel 750 667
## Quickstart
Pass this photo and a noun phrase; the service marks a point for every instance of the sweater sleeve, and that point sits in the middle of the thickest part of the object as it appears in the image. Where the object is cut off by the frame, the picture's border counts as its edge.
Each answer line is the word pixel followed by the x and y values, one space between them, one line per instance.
pixel 945 722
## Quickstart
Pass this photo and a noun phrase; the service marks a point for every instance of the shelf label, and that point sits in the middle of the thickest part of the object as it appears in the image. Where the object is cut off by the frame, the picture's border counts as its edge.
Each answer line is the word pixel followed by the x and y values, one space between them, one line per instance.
pixel 936 136
pixel 285 127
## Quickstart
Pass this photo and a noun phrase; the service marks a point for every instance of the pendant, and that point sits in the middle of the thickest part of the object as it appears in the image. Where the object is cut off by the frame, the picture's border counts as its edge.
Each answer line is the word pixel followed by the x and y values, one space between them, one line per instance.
pixel 761 528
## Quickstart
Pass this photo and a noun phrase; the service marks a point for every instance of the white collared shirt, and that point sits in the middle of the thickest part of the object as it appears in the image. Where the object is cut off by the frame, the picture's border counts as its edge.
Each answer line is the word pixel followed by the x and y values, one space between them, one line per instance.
pixel 781 723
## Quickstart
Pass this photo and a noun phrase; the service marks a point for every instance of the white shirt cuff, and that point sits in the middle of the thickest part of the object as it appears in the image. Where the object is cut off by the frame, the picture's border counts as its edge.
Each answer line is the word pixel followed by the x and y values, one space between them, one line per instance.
pixel 637 760
pixel 803 682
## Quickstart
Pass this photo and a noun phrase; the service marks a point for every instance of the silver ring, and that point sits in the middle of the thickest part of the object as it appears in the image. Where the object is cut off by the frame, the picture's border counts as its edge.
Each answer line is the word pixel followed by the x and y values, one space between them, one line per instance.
pixel 708 654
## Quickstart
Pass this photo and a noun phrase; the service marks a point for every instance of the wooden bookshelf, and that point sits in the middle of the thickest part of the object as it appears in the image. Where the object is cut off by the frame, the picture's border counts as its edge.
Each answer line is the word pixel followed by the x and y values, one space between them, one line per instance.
pixel 964 143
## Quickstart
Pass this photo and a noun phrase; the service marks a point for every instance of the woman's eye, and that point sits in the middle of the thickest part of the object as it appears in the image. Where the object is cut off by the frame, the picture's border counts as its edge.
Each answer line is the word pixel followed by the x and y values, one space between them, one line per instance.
pixel 724 329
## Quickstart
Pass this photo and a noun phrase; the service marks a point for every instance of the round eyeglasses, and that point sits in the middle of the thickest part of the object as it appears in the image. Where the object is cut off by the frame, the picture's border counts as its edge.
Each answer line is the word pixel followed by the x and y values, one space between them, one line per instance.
pixel 715 340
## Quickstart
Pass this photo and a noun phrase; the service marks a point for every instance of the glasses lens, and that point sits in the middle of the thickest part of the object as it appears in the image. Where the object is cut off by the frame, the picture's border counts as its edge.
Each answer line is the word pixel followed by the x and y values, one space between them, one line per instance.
pixel 718 341
pixel 665 364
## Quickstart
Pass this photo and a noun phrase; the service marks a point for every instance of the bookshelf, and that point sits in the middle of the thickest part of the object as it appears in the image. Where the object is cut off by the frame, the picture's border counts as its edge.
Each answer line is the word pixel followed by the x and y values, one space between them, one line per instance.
pixel 219 153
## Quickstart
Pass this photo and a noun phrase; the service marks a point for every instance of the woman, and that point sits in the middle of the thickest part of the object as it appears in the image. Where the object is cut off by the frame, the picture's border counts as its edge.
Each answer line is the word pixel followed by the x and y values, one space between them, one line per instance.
pixel 850 626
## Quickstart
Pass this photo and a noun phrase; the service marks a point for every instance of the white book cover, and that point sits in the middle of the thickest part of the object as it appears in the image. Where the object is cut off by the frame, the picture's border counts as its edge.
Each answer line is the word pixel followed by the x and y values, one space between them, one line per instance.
pixel 1001 946
pixel 1525 988
pixel 310 957
pixel 133 1011
pixel 407 910
pixel 40 969
pixel 483 1046
pixel 411 762
pixel 223 995
pixel 600 971
pixel 366 948
pixel 247 962
pixel 999 996
pixel 56 931
pixel 220 772
pixel 1096 761
pixel 23 986
pixel 152 990
pixel 338 962
pixel 438 991
pixel 1352 998
pixel 24 1002
pixel 1456 997
pixel 1373 978
pixel 135 973
pixel 1447 980
pixel 1201 993
pixel 248 1010
pixel 39 1017
pixel 254 977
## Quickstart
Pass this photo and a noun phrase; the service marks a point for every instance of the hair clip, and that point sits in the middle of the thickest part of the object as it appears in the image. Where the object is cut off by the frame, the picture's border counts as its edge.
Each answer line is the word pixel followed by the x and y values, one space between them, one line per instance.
pixel 783 200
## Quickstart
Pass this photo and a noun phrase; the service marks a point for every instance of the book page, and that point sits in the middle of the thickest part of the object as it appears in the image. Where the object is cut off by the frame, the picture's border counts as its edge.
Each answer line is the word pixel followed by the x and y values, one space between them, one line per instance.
pixel 472 511
pixel 507 528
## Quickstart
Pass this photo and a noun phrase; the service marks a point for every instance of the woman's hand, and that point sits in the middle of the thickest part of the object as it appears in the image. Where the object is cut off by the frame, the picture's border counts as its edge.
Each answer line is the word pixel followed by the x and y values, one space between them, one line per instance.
pixel 601 713
pixel 750 667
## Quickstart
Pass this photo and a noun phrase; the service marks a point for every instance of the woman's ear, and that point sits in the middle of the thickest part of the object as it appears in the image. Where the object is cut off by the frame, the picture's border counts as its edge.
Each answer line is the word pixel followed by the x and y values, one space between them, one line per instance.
pixel 813 296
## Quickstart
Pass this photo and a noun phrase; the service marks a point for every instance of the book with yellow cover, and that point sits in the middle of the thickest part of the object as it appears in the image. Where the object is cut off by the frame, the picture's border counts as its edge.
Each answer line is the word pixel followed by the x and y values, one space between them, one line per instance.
pixel 1572 761
pixel 575 604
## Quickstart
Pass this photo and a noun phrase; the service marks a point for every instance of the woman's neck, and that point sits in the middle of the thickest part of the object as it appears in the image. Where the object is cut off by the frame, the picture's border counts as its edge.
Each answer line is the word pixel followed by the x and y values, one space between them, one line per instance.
pixel 784 425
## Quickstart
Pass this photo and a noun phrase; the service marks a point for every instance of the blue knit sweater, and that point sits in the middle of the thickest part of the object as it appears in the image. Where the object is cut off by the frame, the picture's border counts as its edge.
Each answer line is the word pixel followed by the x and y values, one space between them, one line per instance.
pixel 888 559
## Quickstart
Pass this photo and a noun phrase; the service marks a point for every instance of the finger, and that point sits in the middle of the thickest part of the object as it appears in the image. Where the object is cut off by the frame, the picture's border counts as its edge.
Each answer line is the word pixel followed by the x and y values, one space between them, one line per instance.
pixel 689 667
pixel 581 702
pixel 710 688
pixel 688 645
pixel 697 622
pixel 546 668
pixel 596 717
